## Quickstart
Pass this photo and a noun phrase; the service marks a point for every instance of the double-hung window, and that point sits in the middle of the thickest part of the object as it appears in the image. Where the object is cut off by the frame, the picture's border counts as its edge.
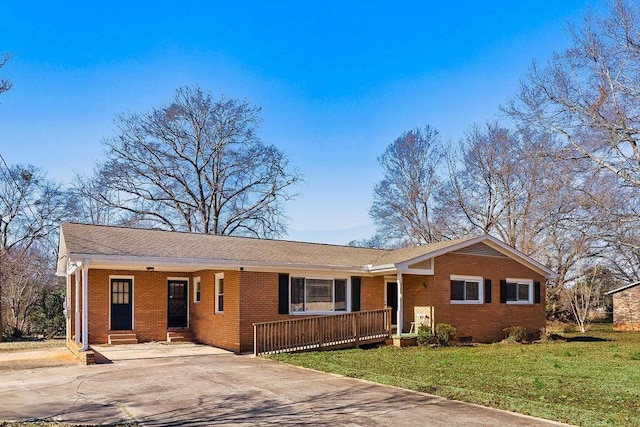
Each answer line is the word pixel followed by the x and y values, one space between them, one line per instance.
pixel 318 295
pixel 196 289
pixel 466 290
pixel 219 293
pixel 519 291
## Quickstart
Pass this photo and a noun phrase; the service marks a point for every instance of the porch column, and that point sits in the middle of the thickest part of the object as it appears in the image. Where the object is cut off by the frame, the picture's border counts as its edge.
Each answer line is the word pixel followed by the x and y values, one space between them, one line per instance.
pixel 67 306
pixel 400 304
pixel 85 305
pixel 77 306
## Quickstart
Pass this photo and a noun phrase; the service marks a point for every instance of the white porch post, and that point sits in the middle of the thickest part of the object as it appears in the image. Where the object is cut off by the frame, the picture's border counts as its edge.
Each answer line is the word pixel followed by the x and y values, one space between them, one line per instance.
pixel 400 304
pixel 77 307
pixel 67 306
pixel 85 305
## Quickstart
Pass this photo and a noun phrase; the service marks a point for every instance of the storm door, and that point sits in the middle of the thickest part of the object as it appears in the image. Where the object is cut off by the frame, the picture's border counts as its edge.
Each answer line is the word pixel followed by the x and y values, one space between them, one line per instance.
pixel 121 304
pixel 177 304
pixel 392 300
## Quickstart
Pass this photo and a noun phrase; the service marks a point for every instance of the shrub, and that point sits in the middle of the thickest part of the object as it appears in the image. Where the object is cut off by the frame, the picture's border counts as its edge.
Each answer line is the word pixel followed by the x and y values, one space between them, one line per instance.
pixel 445 333
pixel 515 333
pixel 425 336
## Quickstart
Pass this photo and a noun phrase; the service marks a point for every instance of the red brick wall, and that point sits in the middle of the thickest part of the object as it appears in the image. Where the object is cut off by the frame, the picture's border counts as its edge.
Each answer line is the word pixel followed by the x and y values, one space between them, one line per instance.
pixel 209 327
pixel 149 303
pixel 483 322
pixel 626 310
pixel 251 297
pixel 372 293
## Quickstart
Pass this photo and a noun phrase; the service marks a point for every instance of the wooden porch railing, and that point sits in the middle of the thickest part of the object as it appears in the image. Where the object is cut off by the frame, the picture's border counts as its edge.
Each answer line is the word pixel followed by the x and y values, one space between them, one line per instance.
pixel 322 332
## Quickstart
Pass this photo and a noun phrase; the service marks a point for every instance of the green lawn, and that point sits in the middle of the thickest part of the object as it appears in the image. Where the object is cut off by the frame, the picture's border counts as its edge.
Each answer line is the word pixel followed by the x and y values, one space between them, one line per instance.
pixel 592 379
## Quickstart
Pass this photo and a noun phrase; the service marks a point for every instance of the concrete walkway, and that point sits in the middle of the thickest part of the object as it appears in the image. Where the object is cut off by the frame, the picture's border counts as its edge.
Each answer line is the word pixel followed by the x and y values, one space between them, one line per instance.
pixel 222 389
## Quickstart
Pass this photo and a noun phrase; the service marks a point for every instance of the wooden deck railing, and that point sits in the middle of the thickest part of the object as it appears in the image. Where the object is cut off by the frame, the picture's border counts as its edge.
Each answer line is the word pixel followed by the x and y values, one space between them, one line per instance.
pixel 322 332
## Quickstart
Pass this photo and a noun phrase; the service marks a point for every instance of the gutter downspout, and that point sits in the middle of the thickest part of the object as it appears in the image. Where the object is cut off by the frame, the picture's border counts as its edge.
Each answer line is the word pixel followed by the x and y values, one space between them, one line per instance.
pixel 400 304
pixel 77 306
pixel 85 305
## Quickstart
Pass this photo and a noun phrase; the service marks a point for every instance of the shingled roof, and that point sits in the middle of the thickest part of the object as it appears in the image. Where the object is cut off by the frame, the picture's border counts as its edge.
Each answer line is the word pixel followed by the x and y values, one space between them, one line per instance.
pixel 135 247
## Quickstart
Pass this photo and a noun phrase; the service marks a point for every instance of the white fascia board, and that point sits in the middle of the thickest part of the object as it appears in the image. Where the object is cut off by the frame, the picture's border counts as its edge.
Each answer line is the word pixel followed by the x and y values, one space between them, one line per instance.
pixel 385 268
pixel 489 241
pixel 61 267
pixel 195 264
pixel 520 257
pixel 622 288
pixel 418 271
pixel 442 251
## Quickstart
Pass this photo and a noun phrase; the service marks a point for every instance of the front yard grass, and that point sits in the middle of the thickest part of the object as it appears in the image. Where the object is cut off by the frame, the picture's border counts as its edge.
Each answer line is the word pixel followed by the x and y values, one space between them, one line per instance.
pixel 592 379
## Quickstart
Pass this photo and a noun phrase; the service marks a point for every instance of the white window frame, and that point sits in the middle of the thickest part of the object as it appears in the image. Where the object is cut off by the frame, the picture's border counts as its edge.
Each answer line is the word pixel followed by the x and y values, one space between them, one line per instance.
pixel 217 294
pixel 522 282
pixel 197 289
pixel 333 301
pixel 478 279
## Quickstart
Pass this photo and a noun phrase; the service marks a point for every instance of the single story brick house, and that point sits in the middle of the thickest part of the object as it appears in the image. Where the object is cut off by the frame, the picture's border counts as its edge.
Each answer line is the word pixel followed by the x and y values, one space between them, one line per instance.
pixel 150 282
pixel 626 307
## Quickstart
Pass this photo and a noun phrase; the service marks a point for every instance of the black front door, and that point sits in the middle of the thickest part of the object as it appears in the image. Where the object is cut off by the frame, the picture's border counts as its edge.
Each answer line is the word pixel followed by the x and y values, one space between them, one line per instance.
pixel 392 300
pixel 177 308
pixel 121 303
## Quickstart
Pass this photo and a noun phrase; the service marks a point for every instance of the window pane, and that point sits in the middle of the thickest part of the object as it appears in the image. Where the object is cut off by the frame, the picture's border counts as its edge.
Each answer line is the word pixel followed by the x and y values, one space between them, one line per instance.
pixel 457 290
pixel 319 295
pixel 473 293
pixel 512 292
pixel 221 286
pixel 297 294
pixel 220 302
pixel 341 295
pixel 523 292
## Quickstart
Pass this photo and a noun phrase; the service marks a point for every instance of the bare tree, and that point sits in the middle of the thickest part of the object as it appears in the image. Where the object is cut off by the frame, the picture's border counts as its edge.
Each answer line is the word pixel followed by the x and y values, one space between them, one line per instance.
pixel 26 276
pixel 195 164
pixel 31 208
pixel 403 199
pixel 5 84
pixel 586 294
pixel 588 95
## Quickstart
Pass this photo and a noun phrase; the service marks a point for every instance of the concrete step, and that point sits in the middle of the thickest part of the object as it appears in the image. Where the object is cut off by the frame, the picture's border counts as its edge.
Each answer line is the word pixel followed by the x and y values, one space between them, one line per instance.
pixel 118 341
pixel 124 338
pixel 179 336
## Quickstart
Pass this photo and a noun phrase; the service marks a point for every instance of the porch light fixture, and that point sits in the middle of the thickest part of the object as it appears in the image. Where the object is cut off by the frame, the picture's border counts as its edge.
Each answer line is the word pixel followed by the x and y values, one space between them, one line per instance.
pixel 150 268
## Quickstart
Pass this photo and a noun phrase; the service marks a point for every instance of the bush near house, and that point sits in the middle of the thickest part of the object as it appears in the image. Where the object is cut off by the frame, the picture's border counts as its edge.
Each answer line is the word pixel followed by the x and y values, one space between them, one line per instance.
pixel 445 334
pixel 591 379
pixel 515 333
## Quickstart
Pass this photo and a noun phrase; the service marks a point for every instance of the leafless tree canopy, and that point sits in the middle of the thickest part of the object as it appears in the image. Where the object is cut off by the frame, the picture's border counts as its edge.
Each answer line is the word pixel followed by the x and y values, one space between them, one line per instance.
pixel 561 184
pixel 402 200
pixel 31 208
pixel 196 165
pixel 5 84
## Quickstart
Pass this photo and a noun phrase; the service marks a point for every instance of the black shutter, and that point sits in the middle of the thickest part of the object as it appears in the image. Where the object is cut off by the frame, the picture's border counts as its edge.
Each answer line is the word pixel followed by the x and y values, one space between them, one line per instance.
pixel 536 292
pixel 503 291
pixel 283 293
pixel 487 290
pixel 355 293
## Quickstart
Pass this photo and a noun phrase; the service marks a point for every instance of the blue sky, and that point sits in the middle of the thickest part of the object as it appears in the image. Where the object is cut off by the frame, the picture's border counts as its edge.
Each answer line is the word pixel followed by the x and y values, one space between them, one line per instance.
pixel 337 81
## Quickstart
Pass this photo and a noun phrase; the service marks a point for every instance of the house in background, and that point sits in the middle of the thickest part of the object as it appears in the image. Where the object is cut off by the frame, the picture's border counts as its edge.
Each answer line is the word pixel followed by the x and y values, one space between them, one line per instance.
pixel 150 283
pixel 626 307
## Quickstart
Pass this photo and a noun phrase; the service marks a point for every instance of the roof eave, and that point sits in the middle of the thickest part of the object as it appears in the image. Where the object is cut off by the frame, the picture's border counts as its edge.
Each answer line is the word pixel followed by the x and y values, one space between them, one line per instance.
pixel 491 242
pixel 195 264
pixel 622 288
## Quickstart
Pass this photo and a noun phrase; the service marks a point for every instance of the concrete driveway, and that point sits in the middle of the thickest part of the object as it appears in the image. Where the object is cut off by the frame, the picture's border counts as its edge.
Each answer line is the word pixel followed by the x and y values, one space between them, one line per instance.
pixel 218 388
